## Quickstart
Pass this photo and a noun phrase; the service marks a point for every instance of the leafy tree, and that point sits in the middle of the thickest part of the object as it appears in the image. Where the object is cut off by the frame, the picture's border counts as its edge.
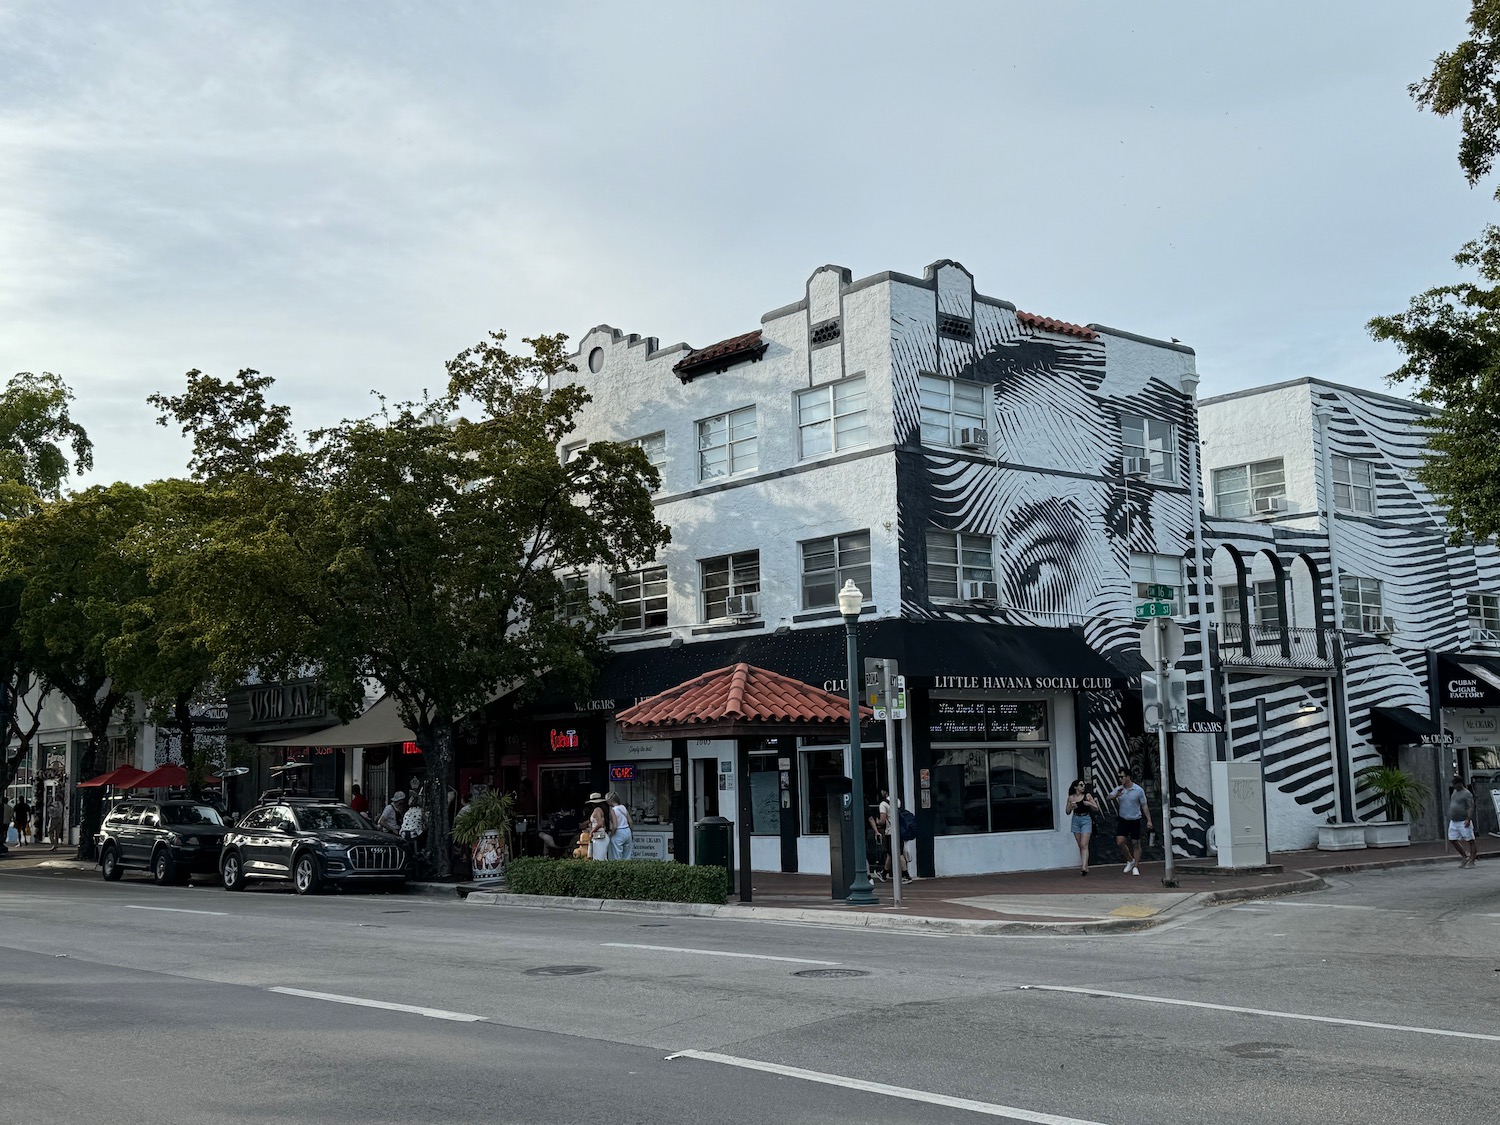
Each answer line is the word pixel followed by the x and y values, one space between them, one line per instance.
pixel 72 573
pixel 1449 336
pixel 420 548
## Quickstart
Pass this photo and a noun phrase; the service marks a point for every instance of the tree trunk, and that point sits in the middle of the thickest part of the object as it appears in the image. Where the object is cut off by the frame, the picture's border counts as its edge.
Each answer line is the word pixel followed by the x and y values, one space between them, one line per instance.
pixel 183 714
pixel 91 801
pixel 436 861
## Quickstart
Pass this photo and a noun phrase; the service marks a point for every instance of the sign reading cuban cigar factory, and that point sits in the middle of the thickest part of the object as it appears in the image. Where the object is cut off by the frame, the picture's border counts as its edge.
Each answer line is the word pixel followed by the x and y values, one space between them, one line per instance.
pixel 1469 681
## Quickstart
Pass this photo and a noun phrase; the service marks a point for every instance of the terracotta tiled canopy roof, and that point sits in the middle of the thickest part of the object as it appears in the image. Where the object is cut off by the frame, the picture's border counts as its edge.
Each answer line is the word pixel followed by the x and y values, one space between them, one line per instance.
pixel 720 356
pixel 1047 324
pixel 740 699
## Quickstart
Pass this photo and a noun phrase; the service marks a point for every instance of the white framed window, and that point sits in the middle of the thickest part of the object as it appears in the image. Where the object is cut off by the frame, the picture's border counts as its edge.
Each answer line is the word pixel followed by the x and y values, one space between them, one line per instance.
pixel 654 446
pixel 641 598
pixel 828 563
pixel 575 597
pixel 832 417
pixel 1152 440
pixel 1363 604
pixel 1353 484
pixel 949 406
pixel 1158 570
pixel 955 558
pixel 728 444
pixel 728 576
pixel 572 450
pixel 1238 487
pixel 1265 598
pixel 1484 618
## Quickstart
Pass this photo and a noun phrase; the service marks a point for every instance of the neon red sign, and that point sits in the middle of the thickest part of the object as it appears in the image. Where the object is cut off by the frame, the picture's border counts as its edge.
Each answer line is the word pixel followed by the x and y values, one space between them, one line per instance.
pixel 622 773
pixel 564 740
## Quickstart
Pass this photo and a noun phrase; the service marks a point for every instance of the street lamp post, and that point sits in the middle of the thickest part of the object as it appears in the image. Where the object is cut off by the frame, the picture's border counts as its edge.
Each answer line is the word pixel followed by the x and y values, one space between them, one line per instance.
pixel 861 893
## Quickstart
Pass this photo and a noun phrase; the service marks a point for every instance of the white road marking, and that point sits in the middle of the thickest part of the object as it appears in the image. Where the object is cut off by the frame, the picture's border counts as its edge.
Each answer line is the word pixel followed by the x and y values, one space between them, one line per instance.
pixel 1331 906
pixel 433 1013
pixel 1264 1012
pixel 179 910
pixel 989 1109
pixel 713 953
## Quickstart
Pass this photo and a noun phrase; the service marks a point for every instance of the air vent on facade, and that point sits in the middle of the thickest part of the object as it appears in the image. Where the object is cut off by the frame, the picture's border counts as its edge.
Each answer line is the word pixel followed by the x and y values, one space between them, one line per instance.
pixel 825 333
pixel 973 438
pixel 1265 505
pixel 742 605
pixel 955 327
pixel 986 593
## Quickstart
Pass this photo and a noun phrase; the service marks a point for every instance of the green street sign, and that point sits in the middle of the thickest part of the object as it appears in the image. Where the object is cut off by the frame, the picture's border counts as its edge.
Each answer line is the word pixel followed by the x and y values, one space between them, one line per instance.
pixel 1161 591
pixel 1153 609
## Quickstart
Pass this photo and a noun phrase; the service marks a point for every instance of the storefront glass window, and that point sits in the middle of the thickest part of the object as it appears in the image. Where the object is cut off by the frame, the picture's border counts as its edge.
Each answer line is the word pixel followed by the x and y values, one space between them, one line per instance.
pixel 765 799
pixel 991 766
pixel 817 767
pixel 649 796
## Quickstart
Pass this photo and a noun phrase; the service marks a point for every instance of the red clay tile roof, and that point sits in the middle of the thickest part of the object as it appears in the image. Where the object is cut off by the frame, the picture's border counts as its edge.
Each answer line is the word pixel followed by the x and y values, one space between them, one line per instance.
pixel 1047 324
pixel 717 357
pixel 738 695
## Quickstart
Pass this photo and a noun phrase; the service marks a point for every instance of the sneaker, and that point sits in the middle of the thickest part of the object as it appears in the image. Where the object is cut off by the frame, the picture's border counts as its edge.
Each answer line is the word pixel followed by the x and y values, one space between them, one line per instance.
pixel 905 879
pixel 1135 870
pixel 1128 866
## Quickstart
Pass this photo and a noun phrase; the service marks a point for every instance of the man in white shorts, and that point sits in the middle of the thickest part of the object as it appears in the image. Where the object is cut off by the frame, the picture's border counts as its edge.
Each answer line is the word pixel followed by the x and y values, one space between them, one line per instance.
pixel 1461 823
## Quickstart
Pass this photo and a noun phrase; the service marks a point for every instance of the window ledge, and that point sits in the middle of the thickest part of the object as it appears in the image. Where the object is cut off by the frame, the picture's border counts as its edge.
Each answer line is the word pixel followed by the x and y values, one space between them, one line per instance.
pixel 730 627
pixel 829 614
pixel 633 637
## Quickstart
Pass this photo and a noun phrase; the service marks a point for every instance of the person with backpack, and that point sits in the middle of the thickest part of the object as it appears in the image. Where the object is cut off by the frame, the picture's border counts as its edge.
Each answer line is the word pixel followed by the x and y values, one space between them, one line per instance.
pixel 908 827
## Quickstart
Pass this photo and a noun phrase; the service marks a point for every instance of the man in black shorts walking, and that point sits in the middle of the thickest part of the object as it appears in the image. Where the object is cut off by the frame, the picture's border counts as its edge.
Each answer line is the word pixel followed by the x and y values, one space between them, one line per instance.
pixel 1133 815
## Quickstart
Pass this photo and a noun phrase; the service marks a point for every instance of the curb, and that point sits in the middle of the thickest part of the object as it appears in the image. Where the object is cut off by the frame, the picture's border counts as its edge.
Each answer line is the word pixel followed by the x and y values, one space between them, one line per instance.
pixel 433 890
pixel 910 922
pixel 1386 865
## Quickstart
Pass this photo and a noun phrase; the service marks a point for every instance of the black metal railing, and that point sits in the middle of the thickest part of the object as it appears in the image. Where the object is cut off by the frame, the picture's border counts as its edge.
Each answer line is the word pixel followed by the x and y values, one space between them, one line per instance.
pixel 1268 646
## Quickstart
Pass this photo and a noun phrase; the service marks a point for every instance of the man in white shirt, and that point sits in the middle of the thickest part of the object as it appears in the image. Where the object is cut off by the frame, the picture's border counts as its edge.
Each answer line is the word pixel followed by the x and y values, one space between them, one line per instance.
pixel 1134 813
pixel 391 815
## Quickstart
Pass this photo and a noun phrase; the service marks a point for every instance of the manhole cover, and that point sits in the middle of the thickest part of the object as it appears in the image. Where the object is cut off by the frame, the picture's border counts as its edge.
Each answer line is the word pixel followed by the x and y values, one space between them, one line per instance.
pixel 824 973
pixel 562 970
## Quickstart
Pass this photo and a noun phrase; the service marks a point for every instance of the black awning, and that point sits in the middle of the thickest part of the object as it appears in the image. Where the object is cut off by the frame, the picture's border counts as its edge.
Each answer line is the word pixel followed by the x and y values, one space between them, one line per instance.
pixel 1466 680
pixel 1402 726
pixel 952 654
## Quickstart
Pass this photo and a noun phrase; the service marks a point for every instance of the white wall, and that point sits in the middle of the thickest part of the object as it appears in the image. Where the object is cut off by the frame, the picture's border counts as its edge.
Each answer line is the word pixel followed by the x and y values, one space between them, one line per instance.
pixel 1277 422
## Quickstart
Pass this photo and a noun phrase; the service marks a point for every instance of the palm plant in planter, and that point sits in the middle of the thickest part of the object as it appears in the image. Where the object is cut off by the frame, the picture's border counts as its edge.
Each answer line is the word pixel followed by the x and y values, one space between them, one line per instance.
pixel 484 827
pixel 1404 796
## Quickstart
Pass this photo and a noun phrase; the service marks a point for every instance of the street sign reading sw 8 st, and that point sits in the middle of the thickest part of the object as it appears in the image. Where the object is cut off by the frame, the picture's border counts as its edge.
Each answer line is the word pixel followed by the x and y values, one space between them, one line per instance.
pixel 1153 609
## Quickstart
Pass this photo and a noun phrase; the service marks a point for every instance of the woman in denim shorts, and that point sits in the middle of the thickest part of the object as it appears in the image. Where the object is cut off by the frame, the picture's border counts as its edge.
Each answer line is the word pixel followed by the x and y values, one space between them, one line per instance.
pixel 1081 808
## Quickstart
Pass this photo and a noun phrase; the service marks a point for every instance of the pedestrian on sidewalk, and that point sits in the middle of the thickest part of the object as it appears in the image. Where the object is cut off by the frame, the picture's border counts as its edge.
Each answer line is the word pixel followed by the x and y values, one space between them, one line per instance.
pixel 55 821
pixel 391 815
pixel 1133 815
pixel 22 821
pixel 1461 823
pixel 621 843
pixel 601 827
pixel 4 823
pixel 1082 808
pixel 357 801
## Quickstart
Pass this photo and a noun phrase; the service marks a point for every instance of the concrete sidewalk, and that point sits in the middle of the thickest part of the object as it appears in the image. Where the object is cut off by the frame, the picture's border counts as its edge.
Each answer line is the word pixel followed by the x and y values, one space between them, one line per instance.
pixel 1053 901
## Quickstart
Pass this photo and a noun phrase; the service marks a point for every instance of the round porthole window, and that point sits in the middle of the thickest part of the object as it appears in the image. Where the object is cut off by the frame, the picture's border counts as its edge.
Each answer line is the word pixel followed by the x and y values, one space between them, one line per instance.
pixel 596 360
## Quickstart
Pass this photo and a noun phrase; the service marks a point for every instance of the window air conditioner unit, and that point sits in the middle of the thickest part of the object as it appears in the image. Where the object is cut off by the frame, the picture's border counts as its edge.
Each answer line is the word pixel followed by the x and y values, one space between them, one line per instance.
pixel 1380 626
pixel 981 592
pixel 973 438
pixel 1483 636
pixel 1264 505
pixel 1137 467
pixel 742 605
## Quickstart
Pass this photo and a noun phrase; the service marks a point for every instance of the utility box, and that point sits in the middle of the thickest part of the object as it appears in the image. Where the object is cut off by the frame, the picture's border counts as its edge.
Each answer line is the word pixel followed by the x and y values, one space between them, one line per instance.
pixel 841 829
pixel 1239 813
pixel 714 845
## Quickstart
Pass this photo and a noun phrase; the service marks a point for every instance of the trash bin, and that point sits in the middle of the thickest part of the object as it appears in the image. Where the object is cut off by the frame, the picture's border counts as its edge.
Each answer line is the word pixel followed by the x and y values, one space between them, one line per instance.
pixel 841 829
pixel 713 845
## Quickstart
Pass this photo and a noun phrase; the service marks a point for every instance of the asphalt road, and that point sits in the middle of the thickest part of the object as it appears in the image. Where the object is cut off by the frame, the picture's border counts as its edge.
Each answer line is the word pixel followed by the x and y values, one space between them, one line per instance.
pixel 1375 1001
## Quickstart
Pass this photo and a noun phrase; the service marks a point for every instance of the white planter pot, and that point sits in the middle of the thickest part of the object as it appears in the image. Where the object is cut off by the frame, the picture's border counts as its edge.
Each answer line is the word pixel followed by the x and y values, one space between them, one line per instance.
pixel 1340 837
pixel 1388 834
pixel 489 857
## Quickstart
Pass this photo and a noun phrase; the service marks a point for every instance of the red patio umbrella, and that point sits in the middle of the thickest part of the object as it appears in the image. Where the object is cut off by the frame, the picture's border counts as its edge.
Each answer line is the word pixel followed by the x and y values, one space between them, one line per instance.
pixel 121 778
pixel 169 776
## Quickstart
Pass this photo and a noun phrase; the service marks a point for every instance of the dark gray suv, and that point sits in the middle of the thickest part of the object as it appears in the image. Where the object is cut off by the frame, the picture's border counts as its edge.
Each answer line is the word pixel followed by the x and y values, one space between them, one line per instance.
pixel 311 842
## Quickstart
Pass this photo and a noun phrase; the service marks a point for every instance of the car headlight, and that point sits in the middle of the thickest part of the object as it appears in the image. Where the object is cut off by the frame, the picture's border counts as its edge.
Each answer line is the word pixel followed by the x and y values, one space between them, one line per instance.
pixel 330 846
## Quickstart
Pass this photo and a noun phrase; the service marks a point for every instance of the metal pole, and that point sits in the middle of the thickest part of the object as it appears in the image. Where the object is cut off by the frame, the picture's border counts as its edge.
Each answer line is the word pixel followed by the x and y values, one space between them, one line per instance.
pixel 861 893
pixel 1169 874
pixel 1260 738
pixel 894 828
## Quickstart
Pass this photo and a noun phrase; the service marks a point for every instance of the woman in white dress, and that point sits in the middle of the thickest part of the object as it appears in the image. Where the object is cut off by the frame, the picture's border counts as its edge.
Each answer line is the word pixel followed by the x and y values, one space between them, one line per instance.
pixel 601 827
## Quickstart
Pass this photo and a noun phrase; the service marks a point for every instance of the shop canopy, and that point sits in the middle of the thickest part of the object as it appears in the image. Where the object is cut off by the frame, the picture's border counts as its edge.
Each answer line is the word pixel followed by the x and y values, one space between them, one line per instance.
pixel 739 700
pixel 121 778
pixel 169 776
pixel 1467 680
pixel 380 725
pixel 1403 726
pixel 951 653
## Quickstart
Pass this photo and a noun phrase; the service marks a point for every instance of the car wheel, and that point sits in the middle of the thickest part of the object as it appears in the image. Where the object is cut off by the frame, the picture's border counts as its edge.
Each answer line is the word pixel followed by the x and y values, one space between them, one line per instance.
pixel 232 872
pixel 109 865
pixel 305 878
pixel 163 868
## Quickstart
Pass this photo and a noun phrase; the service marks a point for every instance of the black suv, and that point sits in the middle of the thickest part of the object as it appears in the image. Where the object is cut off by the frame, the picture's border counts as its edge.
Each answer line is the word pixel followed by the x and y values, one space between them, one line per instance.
pixel 310 841
pixel 174 840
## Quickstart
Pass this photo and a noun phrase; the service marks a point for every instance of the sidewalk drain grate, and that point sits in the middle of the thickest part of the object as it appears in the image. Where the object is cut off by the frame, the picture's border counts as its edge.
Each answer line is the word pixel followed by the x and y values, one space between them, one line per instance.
pixel 563 970
pixel 822 974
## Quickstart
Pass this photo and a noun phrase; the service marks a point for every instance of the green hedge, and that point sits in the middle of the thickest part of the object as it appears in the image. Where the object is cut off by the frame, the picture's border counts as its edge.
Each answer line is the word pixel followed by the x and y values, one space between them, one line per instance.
pixel 644 880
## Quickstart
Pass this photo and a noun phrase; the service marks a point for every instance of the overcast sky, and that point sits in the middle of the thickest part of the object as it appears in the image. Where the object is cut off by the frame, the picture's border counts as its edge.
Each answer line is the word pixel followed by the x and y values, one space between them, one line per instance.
pixel 345 195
